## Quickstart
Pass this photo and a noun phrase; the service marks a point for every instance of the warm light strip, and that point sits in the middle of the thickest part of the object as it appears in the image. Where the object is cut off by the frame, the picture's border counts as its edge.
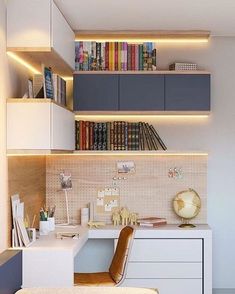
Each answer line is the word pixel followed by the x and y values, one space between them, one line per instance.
pixel 116 153
pixel 23 62
pixel 154 40
pixel 67 78
pixel 112 116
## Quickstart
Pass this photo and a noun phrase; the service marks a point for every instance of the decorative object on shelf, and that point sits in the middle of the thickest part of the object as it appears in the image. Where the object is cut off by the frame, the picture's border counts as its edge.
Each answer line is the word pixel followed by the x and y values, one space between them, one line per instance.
pixel 126 167
pixel 125 213
pixel 152 221
pixel 97 225
pixel 175 173
pixel 116 217
pixel 117 135
pixel 133 218
pixel 111 56
pixel 187 205
pixel 66 185
pixel 183 66
pixel 48 82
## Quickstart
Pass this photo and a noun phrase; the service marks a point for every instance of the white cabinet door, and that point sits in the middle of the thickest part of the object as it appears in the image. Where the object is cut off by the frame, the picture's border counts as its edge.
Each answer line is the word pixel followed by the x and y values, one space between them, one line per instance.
pixel 62 128
pixel 28 24
pixel 62 37
pixel 28 126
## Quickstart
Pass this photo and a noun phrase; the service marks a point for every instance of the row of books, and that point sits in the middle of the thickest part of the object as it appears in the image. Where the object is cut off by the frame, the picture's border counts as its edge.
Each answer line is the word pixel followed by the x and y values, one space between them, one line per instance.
pixel 117 135
pixel 114 56
pixel 152 221
pixel 50 86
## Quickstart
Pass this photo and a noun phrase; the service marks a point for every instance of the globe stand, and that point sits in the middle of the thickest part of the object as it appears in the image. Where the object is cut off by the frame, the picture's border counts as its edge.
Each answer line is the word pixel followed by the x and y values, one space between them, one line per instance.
pixel 186 225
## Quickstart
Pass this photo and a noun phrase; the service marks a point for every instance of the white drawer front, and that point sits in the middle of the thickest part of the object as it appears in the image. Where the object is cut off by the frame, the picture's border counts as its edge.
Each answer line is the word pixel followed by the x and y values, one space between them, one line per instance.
pixel 167 286
pixel 170 250
pixel 164 270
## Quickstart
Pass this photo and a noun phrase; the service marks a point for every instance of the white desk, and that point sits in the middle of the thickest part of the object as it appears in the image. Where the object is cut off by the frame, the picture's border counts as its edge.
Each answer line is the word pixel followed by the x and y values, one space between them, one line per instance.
pixel 167 258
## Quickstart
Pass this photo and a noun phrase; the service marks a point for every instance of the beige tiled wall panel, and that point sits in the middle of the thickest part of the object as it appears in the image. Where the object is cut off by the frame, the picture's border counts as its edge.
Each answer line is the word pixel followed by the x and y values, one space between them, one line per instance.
pixel 149 191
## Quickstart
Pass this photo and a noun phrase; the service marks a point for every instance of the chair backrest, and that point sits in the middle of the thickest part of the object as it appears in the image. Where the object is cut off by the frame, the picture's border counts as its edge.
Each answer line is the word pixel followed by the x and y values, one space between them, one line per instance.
pixel 120 258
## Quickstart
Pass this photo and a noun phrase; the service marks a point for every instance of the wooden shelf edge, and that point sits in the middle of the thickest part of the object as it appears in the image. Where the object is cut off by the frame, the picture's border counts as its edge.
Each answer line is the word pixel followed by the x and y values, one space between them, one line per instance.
pixel 29 152
pixel 153 72
pixel 36 100
pixel 140 114
pixel 140 34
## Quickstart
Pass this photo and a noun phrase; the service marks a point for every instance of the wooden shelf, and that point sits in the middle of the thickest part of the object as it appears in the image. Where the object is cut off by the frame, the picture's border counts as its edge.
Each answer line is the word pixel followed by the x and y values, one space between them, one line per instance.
pixel 140 153
pixel 105 153
pixel 144 35
pixel 143 72
pixel 48 56
pixel 35 100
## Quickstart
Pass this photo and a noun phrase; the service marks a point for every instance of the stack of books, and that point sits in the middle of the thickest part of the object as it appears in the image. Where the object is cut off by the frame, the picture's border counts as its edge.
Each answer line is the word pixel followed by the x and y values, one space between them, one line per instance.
pixel 114 56
pixel 117 135
pixel 152 221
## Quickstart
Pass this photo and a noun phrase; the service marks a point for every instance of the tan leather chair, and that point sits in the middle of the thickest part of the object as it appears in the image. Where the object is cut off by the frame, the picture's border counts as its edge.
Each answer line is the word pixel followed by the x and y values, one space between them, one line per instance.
pixel 117 268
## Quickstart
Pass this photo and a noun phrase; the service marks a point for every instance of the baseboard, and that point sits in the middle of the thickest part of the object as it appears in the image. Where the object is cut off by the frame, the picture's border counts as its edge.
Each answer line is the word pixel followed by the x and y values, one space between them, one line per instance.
pixel 223 291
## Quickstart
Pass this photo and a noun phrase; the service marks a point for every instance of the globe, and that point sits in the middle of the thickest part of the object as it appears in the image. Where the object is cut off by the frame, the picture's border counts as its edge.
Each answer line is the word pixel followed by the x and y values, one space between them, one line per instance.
pixel 187 205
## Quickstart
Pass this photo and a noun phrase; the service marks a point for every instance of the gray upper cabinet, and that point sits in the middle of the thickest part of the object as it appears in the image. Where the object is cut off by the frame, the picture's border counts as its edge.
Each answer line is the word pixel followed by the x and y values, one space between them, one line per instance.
pixel 187 92
pixel 141 92
pixel 95 92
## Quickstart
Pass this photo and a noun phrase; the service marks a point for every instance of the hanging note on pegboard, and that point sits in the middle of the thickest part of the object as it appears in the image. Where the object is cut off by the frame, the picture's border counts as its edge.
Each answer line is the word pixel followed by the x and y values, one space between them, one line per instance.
pixel 107 200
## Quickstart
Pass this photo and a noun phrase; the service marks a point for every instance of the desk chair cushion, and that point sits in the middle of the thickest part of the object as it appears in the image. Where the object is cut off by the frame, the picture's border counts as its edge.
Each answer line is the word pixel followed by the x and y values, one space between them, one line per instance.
pixel 93 279
pixel 117 267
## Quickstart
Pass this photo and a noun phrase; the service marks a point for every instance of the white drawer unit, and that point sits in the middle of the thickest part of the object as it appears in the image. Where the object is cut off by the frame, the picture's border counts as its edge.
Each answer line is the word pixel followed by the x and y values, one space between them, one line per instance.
pixel 172 265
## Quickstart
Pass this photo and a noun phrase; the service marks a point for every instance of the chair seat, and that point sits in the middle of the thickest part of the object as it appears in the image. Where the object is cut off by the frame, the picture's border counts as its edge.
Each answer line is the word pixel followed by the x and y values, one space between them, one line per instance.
pixel 93 279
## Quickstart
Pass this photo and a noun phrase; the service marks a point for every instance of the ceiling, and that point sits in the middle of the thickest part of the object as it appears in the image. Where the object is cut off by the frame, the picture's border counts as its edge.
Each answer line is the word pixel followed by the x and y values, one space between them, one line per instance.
pixel 216 16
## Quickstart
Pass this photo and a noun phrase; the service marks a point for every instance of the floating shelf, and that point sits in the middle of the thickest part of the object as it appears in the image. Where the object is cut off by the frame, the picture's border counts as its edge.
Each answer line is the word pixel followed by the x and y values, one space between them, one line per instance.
pixel 105 153
pixel 161 36
pixel 143 72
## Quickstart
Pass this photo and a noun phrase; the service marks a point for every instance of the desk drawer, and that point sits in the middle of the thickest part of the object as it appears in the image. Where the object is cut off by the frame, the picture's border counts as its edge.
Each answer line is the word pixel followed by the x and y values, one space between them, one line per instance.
pixel 166 250
pixel 150 270
pixel 167 286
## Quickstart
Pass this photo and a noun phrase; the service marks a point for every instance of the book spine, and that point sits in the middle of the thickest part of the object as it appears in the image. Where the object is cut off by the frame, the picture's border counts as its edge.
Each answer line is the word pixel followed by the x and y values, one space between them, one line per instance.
pixel 116 56
pixel 108 135
pixel 136 57
pixel 152 138
pixel 120 55
pixel 107 56
pixel 133 57
pixel 148 144
pixel 91 136
pixel 122 135
pixel 110 55
pixel 87 136
pixel 112 135
pixel 125 135
pixel 104 136
pixel 129 135
pixel 115 136
pixel 95 135
pixel 119 136
pixel 128 56
pixel 100 137
pixel 77 135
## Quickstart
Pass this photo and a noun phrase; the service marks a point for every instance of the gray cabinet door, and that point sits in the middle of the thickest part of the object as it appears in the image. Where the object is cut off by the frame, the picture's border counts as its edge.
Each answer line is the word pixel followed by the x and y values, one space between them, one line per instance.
pixel 141 92
pixel 95 92
pixel 187 92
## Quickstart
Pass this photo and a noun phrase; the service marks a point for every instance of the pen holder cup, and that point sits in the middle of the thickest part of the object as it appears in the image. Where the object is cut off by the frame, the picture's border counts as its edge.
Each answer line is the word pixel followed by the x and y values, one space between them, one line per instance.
pixel 51 221
pixel 32 234
pixel 44 228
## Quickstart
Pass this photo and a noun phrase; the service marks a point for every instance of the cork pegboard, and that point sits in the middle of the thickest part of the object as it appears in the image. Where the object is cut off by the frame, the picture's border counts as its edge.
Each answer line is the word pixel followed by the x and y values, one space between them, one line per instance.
pixel 149 191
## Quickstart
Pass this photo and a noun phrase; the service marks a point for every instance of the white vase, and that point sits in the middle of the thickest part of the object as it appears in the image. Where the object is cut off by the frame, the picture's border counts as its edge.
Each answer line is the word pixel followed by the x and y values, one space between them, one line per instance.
pixel 44 228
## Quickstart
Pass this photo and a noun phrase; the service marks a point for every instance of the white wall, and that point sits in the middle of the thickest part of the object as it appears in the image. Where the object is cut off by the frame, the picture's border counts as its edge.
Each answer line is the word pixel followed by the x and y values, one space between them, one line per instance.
pixel 217 136
pixel 13 79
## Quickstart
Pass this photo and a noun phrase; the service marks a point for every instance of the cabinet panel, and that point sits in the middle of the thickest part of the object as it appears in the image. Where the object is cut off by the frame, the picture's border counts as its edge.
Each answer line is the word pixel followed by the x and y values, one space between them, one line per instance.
pixel 28 126
pixel 62 128
pixel 95 92
pixel 141 92
pixel 167 286
pixel 187 92
pixel 140 270
pixel 62 37
pixel 166 250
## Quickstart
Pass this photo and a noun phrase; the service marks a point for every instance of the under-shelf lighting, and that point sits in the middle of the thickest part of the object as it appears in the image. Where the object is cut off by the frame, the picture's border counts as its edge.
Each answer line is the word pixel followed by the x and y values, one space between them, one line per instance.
pixel 116 153
pixel 139 116
pixel 154 40
pixel 23 62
